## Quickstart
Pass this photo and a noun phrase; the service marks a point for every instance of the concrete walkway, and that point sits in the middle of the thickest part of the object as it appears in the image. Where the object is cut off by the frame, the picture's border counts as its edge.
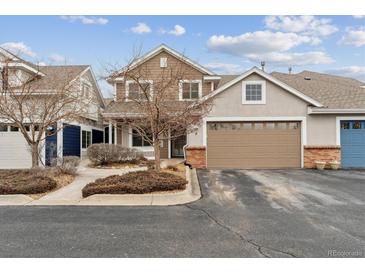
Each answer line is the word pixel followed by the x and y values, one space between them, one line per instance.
pixel 71 194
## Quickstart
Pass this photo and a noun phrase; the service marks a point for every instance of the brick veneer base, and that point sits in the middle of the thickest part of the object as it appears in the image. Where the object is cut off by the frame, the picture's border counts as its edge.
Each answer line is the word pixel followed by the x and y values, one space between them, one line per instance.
pixel 321 153
pixel 196 156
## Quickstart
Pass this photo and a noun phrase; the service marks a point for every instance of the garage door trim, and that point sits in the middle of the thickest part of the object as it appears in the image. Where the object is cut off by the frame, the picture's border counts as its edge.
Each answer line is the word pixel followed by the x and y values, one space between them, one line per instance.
pixel 301 119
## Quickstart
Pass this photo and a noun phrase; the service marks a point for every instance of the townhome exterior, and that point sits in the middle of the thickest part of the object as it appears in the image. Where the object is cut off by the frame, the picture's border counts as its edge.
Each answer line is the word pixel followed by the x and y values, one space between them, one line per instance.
pixel 258 120
pixel 199 80
pixel 73 137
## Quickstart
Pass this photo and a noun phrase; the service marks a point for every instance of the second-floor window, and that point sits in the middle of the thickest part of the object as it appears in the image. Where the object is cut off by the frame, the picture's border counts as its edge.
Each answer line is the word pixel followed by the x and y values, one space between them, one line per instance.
pixel 138 91
pixel 190 89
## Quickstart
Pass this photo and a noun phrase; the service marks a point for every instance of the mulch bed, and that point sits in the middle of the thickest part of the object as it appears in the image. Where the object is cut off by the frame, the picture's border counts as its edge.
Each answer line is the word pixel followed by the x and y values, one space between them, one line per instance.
pixel 139 182
pixel 25 182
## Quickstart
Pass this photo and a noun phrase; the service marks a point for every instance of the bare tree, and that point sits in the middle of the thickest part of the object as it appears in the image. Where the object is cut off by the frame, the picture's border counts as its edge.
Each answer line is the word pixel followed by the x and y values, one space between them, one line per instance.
pixel 33 106
pixel 155 112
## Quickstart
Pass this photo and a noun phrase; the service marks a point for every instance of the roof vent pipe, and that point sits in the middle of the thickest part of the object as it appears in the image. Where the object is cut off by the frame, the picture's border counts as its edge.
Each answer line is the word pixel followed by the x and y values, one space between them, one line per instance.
pixel 263 65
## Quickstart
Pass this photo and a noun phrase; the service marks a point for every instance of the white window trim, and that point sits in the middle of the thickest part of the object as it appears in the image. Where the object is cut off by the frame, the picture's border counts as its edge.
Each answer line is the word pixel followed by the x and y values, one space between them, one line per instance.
pixel 338 125
pixel 163 62
pixel 190 81
pixel 263 92
pixel 142 148
pixel 128 82
pixel 302 119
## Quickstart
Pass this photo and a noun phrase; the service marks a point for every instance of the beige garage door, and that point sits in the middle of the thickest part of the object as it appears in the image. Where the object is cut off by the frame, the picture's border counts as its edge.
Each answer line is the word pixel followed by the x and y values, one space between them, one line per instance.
pixel 253 145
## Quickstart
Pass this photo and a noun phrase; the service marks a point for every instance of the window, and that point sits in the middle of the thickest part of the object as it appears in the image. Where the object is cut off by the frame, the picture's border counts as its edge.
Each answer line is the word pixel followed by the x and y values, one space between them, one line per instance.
pixel 345 125
pixel 138 141
pixel 356 125
pixel 86 90
pixel 190 90
pixel 135 91
pixel 3 128
pixel 86 139
pixel 253 92
pixel 163 62
pixel 14 128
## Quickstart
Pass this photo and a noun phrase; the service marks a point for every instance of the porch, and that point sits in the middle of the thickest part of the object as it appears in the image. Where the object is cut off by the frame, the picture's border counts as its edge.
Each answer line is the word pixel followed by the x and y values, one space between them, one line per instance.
pixel 123 135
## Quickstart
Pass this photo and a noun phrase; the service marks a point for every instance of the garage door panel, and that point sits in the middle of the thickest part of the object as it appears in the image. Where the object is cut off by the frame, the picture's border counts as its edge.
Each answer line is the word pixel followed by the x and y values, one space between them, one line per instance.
pixel 242 151
pixel 257 162
pixel 14 151
pixel 231 146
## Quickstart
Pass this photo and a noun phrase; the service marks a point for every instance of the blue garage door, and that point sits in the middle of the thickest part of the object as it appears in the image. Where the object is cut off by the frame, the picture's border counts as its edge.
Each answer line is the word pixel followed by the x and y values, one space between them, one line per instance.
pixel 71 140
pixel 353 144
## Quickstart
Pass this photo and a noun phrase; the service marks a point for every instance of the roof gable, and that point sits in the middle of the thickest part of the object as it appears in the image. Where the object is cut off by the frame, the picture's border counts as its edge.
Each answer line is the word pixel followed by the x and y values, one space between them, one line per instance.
pixel 267 77
pixel 170 51
pixel 15 61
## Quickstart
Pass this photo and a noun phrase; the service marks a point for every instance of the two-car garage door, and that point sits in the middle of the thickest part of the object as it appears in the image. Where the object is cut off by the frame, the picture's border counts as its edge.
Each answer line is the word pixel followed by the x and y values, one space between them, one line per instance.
pixel 254 144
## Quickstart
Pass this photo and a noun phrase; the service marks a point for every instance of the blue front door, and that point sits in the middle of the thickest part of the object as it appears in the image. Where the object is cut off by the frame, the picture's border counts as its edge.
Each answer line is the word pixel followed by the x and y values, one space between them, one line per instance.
pixel 353 144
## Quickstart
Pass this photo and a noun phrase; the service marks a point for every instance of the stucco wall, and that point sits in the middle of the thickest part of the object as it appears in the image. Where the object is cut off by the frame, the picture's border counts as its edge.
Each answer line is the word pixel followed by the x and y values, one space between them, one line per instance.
pixel 278 102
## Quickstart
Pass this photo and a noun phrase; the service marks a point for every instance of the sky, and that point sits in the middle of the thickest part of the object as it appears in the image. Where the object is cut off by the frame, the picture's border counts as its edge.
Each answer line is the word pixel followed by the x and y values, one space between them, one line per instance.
pixel 223 44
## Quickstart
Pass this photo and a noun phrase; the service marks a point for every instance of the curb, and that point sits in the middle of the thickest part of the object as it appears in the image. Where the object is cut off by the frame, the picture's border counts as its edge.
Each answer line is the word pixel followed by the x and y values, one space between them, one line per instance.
pixel 14 200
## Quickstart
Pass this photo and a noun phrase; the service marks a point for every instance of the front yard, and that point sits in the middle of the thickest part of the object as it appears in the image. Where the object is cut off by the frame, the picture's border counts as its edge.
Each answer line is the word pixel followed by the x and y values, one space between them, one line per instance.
pixel 32 182
pixel 172 178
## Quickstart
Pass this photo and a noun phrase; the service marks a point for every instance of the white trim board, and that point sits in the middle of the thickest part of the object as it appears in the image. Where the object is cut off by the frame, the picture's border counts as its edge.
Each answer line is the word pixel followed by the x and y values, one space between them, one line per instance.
pixel 312 110
pixel 267 77
pixel 338 125
pixel 302 119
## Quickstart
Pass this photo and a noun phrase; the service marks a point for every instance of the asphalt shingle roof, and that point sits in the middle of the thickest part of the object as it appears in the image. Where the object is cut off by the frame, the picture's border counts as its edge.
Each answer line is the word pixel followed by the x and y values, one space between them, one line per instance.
pixel 332 91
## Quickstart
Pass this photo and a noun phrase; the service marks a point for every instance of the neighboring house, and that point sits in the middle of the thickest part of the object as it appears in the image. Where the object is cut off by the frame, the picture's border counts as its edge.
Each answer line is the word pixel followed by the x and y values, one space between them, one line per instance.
pixel 75 136
pixel 258 120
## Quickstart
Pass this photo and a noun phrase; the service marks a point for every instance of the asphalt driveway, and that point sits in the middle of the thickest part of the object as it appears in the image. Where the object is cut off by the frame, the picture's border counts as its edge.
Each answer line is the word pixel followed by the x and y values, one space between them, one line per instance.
pixel 281 213
pixel 299 213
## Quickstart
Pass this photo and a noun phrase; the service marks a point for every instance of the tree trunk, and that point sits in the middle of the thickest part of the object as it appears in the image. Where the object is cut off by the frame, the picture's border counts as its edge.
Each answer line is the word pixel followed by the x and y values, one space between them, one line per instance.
pixel 156 147
pixel 35 155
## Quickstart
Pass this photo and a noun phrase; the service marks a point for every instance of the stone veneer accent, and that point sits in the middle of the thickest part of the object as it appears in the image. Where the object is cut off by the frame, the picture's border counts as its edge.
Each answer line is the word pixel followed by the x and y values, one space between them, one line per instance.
pixel 196 156
pixel 321 153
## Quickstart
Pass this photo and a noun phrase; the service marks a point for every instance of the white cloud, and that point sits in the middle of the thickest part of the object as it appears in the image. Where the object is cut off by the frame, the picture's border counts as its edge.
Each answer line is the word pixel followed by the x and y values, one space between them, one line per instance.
pixel 178 30
pixel 291 59
pixel 350 71
pixel 18 48
pixel 141 28
pixel 225 68
pixel 306 24
pixel 57 58
pixel 359 16
pixel 354 37
pixel 258 42
pixel 86 20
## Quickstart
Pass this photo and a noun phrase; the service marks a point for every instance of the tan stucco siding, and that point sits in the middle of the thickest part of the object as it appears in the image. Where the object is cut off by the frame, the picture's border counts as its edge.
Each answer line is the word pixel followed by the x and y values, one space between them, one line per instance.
pixel 279 102
pixel 321 130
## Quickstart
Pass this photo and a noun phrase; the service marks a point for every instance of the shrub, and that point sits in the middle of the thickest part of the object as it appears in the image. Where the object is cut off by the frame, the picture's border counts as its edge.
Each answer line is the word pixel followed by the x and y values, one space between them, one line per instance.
pixel 103 154
pixel 25 182
pixel 135 183
pixel 68 165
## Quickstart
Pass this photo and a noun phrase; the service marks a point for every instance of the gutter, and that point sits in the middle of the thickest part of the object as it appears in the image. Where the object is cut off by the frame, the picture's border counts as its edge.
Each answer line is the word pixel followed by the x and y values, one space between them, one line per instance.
pixel 312 110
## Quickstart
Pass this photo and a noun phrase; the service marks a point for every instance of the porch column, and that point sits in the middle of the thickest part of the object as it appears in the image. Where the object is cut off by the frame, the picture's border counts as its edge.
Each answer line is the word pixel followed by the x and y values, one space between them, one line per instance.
pixel 115 133
pixel 110 132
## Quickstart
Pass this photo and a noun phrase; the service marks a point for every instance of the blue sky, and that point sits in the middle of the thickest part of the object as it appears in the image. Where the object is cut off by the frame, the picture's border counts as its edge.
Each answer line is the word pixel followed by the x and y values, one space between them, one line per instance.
pixel 225 44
